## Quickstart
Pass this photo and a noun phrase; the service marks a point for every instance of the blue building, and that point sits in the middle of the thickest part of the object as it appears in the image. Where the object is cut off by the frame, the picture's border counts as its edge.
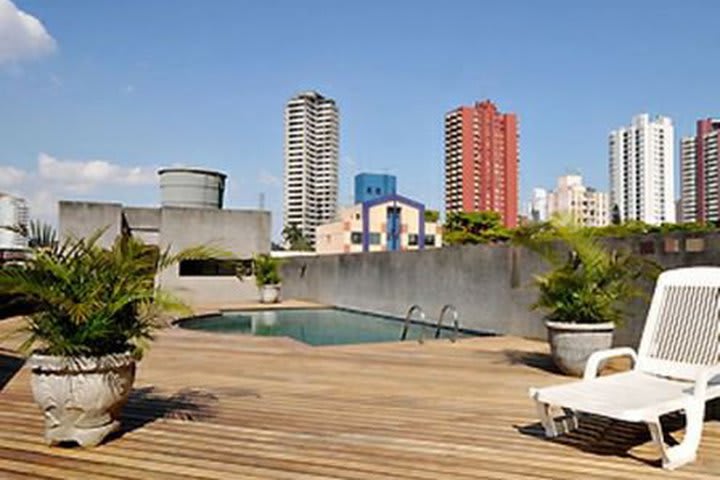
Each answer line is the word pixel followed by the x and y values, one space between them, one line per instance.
pixel 370 186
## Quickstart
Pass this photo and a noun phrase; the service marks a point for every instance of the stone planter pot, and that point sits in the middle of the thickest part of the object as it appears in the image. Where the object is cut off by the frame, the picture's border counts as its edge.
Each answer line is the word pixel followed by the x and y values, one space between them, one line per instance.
pixel 571 344
pixel 81 398
pixel 269 293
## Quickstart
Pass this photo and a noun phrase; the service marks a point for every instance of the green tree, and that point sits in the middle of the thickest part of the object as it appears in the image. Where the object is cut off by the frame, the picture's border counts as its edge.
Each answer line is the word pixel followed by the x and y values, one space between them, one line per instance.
pixel 462 228
pixel 432 216
pixel 295 239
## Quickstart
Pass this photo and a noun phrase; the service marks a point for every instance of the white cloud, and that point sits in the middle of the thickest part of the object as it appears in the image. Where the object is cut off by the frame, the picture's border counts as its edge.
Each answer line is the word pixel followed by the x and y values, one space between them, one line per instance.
pixel 84 176
pixel 22 36
pixel 54 179
pixel 11 176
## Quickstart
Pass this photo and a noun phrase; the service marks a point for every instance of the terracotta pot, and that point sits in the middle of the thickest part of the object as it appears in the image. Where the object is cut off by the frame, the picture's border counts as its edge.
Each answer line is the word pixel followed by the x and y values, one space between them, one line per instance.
pixel 571 344
pixel 81 398
pixel 269 293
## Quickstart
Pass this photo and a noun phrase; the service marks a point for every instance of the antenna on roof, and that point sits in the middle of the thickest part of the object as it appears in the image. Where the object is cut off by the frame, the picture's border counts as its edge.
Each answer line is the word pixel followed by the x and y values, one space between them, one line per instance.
pixel 261 201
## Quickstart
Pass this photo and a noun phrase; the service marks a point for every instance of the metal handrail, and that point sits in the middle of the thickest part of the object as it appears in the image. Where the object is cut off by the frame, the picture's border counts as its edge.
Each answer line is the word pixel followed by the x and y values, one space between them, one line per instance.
pixel 406 323
pixel 456 323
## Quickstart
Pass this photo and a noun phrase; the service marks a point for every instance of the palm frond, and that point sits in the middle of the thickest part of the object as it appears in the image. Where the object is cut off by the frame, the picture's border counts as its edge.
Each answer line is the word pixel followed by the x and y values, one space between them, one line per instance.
pixel 92 300
pixel 589 283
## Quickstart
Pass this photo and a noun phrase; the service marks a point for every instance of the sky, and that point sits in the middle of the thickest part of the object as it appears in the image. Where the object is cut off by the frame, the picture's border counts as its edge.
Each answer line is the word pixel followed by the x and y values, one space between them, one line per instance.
pixel 95 95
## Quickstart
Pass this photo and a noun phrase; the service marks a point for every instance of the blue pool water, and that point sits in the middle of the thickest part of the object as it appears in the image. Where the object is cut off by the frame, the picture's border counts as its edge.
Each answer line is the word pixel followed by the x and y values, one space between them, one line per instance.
pixel 329 326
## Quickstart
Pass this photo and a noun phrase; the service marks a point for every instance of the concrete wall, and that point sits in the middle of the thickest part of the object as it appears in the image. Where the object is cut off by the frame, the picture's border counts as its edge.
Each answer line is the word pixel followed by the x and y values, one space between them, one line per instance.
pixel 242 233
pixel 143 223
pixel 82 219
pixel 491 286
pixel 490 292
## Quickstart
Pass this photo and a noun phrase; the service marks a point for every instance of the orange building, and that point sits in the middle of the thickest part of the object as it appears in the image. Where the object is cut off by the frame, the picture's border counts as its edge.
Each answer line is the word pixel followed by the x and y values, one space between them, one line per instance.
pixel 481 161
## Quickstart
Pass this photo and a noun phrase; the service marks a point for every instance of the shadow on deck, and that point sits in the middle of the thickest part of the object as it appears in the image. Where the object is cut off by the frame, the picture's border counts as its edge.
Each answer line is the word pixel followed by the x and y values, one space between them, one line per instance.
pixel 9 366
pixel 146 405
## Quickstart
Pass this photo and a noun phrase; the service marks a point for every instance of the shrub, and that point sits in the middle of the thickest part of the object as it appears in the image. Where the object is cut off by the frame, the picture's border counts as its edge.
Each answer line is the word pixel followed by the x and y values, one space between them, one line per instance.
pixel 93 301
pixel 266 270
pixel 588 282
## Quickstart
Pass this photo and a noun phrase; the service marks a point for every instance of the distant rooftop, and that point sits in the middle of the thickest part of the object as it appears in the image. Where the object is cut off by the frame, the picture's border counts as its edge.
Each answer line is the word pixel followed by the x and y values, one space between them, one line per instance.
pixel 191 170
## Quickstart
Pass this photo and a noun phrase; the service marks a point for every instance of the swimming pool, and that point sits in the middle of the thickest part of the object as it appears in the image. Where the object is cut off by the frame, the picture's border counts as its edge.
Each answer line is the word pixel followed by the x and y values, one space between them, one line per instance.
pixel 327 326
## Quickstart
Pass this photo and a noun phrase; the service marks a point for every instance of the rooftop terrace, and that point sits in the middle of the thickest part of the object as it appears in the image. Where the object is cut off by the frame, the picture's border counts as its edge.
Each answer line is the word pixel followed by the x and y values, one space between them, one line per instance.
pixel 208 406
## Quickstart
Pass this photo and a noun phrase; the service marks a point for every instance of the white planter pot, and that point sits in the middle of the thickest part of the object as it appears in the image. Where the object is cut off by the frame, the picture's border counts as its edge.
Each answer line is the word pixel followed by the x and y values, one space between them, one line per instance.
pixel 571 344
pixel 81 398
pixel 269 293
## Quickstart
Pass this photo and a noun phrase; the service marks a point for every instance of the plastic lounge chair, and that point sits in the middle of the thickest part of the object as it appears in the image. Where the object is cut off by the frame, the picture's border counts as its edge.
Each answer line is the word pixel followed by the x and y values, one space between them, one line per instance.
pixel 676 368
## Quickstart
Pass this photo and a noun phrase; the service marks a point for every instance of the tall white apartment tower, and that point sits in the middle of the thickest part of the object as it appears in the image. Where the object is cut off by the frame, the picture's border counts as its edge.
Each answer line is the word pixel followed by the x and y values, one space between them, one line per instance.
pixel 538 211
pixel 688 180
pixel 13 214
pixel 641 170
pixel 311 162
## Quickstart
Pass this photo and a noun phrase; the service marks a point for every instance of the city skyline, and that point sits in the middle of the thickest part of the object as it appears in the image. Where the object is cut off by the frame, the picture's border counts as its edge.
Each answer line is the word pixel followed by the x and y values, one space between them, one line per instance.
pixel 86 120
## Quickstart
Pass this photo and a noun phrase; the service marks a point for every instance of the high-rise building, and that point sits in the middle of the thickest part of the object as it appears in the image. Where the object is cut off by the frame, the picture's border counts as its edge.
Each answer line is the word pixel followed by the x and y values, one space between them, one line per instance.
pixel 538 208
pixel 699 166
pixel 13 216
pixel 369 186
pixel 641 170
pixel 311 162
pixel 481 161
pixel 584 205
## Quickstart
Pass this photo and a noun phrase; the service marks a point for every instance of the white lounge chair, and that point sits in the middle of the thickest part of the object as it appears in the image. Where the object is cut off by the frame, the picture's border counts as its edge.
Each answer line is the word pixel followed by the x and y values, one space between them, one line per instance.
pixel 677 368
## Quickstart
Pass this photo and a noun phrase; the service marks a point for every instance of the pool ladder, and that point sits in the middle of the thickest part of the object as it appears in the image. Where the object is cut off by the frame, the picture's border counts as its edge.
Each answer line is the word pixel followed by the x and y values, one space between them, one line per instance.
pixel 438 328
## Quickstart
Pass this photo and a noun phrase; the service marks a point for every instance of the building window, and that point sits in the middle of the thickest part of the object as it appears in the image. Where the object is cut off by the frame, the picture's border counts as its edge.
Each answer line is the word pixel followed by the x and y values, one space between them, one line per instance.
pixel 356 238
pixel 694 245
pixel 429 240
pixel 369 189
pixel 214 268
pixel 377 191
pixel 374 239
pixel 647 247
pixel 413 239
pixel 672 245
pixel 357 216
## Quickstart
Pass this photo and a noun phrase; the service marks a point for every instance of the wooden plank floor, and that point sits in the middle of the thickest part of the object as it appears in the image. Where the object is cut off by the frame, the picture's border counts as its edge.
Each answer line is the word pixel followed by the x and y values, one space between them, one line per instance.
pixel 208 406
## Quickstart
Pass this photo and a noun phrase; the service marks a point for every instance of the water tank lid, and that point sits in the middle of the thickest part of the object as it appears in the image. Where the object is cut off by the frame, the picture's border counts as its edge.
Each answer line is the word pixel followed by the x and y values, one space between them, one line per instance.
pixel 203 171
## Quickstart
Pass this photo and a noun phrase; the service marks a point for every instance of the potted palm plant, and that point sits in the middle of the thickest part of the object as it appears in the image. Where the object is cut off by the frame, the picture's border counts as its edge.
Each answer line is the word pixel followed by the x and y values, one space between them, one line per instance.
pixel 95 311
pixel 585 293
pixel 267 277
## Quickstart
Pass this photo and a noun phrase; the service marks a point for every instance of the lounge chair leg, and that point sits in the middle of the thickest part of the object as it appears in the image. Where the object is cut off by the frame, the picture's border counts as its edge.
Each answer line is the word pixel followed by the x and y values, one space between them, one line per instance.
pixel 556 425
pixel 685 452
pixel 571 417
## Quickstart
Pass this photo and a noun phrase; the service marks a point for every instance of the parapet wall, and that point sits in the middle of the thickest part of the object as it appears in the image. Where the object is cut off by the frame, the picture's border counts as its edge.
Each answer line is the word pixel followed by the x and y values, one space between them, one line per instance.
pixel 491 285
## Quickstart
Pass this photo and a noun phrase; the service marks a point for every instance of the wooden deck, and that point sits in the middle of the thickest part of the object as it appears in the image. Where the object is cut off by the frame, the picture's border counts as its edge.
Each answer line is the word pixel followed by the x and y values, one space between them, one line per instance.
pixel 209 406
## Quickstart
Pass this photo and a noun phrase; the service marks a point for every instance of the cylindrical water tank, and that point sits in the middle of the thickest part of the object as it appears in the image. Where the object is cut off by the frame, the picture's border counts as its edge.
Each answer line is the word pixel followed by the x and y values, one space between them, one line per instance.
pixel 191 187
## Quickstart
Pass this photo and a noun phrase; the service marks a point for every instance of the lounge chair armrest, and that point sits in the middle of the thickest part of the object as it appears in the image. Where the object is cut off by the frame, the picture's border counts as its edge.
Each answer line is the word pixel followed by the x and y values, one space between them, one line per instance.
pixel 593 363
pixel 703 379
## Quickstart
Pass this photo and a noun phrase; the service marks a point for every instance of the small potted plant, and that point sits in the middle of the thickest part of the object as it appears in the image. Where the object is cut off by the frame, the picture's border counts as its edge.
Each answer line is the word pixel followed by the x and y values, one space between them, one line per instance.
pixel 267 277
pixel 585 292
pixel 95 310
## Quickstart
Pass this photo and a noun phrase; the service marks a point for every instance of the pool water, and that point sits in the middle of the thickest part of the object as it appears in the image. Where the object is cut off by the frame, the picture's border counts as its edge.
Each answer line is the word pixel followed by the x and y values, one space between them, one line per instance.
pixel 330 326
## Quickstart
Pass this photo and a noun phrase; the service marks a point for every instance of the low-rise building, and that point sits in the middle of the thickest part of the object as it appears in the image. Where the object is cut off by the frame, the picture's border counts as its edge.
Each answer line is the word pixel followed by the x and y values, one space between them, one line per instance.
pixel 190 215
pixel 369 186
pixel 387 223
pixel 585 205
